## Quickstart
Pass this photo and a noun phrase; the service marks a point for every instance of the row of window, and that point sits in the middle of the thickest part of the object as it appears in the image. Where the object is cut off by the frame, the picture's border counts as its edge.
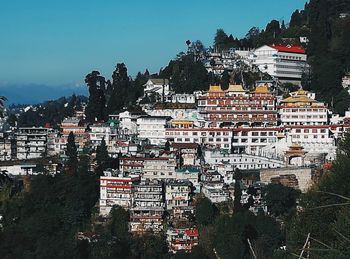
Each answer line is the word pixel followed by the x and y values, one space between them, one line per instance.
pixel 304 116
pixel 303 110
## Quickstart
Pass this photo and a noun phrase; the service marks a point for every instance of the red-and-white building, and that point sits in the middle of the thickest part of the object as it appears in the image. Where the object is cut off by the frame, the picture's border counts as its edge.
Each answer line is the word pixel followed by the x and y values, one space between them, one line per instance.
pixel 236 106
pixel 286 63
pixel 116 189
pixel 182 240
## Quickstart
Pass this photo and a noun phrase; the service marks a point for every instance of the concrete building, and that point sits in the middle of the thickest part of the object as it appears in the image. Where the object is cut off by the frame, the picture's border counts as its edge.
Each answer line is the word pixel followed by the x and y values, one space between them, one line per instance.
pixel 183 98
pixel 241 161
pixel 301 109
pixel 236 106
pixel 158 86
pixel 6 149
pixel 31 142
pixel 182 240
pixel 152 128
pixel 147 209
pixel 159 168
pixel 283 62
pixel 177 193
pixel 116 189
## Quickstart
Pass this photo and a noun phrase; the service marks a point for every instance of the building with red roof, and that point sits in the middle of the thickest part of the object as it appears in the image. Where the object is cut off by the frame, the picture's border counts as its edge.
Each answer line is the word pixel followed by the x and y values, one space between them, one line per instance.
pixel 285 63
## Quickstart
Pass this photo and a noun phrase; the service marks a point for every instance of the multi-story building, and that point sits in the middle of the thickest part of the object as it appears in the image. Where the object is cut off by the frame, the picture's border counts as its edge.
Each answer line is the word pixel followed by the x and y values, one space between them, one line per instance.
pixel 147 209
pixel 236 106
pixel 285 63
pixel 162 168
pixel 157 85
pixel 187 153
pixel 301 109
pixel 183 98
pixel 132 165
pixel 31 142
pixel 116 189
pixel 6 148
pixel 213 187
pixel 182 240
pixel 152 128
pixel 67 126
pixel 346 82
pixel 217 137
pixel 178 193
pixel 190 173
pixel 241 161
pixel 236 140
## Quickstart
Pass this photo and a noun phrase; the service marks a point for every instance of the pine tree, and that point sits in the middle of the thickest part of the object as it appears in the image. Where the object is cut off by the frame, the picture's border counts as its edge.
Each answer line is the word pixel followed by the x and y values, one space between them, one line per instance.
pixel 238 191
pixel 2 100
pixel 96 107
pixel 102 153
pixel 71 152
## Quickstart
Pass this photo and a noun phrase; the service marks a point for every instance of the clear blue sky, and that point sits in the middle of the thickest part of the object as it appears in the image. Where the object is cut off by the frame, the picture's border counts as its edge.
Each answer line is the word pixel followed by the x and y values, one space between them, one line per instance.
pixel 57 42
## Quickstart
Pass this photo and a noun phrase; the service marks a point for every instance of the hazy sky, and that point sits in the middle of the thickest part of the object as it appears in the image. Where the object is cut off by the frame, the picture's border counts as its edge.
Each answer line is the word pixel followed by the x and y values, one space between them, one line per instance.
pixel 57 42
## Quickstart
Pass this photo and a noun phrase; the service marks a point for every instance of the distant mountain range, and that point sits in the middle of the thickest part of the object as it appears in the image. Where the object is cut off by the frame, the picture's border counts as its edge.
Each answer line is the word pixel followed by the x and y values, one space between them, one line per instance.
pixel 37 93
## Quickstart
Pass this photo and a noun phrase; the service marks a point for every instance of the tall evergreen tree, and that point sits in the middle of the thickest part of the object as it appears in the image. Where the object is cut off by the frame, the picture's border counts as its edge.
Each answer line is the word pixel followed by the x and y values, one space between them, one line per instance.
pixel 121 89
pixel 2 106
pixel 72 154
pixel 96 108
pixel 238 191
pixel 102 153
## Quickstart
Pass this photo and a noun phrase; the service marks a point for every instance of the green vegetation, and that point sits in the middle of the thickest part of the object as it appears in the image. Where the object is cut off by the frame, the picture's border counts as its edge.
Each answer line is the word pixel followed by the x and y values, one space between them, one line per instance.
pixel 51 112
pixel 43 222
pixel 106 97
pixel 187 74
pixel 326 212
pixel 280 200
pixel 2 105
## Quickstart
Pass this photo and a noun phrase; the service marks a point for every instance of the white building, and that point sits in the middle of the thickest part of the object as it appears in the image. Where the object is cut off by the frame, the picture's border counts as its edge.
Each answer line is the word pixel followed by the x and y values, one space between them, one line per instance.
pixel 241 161
pixel 177 193
pixel 148 207
pixel 285 63
pixel 302 109
pixel 160 168
pixel 116 189
pixel 158 86
pixel 152 128
pixel 183 98
pixel 215 192
pixel 346 82
pixel 31 142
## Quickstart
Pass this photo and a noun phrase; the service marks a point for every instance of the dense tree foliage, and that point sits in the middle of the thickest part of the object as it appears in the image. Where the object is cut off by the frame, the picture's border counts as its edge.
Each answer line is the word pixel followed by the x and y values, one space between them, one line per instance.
pixel 186 75
pixel 2 105
pixel 71 153
pixel 326 212
pixel 102 153
pixel 280 200
pixel 205 211
pixel 51 112
pixel 96 108
pixel 43 222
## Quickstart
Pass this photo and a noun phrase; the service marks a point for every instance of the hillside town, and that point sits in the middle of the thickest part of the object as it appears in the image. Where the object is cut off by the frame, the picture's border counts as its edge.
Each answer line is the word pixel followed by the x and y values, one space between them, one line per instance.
pixel 183 146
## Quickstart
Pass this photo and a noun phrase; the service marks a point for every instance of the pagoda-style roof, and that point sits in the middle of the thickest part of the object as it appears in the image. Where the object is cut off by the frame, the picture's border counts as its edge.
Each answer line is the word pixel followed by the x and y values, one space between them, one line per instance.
pixel 302 99
pixel 295 149
pixel 215 88
pixel 235 88
pixel 262 89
